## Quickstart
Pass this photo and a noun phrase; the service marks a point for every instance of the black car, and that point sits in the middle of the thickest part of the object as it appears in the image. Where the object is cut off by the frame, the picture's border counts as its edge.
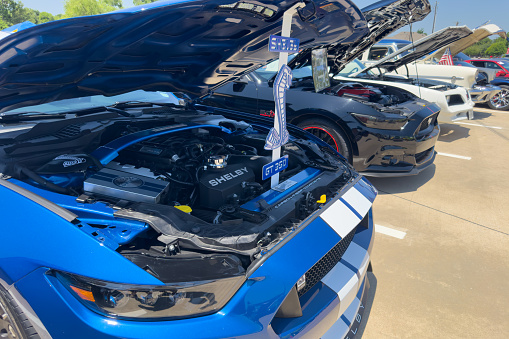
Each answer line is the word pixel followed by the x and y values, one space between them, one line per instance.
pixel 382 130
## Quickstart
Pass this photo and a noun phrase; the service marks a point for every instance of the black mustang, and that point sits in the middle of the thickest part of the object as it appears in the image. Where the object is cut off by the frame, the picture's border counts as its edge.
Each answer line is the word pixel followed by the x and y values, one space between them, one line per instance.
pixel 382 130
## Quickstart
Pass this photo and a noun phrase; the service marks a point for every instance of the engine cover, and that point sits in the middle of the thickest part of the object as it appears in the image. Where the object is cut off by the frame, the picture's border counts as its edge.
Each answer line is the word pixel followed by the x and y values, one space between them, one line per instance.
pixel 127 186
pixel 216 186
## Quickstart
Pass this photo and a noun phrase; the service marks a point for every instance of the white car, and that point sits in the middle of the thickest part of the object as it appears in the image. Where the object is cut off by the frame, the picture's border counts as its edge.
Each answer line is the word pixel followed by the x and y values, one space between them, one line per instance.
pixel 427 67
pixel 454 101
pixel 458 46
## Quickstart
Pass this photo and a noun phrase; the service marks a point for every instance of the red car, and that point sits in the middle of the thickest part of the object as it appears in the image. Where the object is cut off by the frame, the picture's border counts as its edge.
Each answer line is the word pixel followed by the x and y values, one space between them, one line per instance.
pixel 495 67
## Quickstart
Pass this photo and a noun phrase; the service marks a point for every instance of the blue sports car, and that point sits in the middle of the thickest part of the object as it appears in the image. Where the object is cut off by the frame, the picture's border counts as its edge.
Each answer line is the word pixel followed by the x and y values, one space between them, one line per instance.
pixel 126 212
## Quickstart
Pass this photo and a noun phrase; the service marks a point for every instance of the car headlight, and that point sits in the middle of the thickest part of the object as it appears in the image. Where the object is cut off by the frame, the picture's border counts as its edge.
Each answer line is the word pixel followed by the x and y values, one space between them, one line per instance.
pixel 172 301
pixel 387 122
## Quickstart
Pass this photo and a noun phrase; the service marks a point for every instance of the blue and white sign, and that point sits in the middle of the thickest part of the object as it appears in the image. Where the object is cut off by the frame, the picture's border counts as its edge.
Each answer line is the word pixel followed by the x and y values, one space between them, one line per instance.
pixel 274 167
pixel 278 135
pixel 283 44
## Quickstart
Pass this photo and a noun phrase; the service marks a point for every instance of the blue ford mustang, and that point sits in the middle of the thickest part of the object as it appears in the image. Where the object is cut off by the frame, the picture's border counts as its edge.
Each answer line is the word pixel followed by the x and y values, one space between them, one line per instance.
pixel 125 212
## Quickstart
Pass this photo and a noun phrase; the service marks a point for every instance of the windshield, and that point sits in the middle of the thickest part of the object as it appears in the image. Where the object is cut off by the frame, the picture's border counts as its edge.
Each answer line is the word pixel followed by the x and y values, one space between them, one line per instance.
pixel 353 67
pixel 95 101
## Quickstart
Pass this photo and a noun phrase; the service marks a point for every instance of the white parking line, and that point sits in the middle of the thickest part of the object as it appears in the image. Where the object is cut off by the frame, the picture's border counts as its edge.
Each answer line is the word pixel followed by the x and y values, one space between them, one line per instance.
pixel 467 123
pixel 454 156
pixel 389 231
pixel 484 110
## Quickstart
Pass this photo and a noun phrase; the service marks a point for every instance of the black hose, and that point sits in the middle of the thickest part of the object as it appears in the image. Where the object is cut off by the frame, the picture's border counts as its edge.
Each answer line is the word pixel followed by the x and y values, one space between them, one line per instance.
pixel 178 181
pixel 41 181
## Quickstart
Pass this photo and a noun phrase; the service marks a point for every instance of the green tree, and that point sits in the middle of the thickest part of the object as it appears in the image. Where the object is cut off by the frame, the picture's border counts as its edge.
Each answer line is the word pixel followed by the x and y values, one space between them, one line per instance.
pixel 421 31
pixel 12 12
pixel 3 24
pixel 75 8
pixel 143 2
pixel 496 49
pixel 45 17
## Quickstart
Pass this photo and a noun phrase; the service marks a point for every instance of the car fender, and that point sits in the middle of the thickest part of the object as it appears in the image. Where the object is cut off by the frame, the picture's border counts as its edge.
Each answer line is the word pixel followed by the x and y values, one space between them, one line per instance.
pixel 457 75
pixel 51 240
pixel 500 81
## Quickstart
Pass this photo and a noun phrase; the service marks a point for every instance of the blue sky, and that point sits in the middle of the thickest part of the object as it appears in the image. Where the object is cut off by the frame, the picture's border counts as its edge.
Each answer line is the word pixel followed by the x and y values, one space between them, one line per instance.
pixel 467 12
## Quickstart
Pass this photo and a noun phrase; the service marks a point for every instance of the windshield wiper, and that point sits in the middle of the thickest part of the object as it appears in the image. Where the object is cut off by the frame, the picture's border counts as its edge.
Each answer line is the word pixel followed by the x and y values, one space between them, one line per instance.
pixel 30 116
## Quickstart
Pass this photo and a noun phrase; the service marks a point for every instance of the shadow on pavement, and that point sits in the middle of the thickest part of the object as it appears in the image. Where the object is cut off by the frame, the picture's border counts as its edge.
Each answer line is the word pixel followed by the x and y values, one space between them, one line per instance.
pixel 481 115
pixel 452 132
pixel 368 305
pixel 403 184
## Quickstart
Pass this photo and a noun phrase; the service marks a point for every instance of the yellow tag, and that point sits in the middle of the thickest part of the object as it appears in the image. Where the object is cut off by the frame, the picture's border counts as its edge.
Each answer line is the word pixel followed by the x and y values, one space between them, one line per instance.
pixel 323 199
pixel 184 208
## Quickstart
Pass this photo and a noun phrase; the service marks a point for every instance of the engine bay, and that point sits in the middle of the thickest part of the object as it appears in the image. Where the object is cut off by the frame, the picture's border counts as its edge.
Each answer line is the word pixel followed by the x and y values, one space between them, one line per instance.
pixel 196 186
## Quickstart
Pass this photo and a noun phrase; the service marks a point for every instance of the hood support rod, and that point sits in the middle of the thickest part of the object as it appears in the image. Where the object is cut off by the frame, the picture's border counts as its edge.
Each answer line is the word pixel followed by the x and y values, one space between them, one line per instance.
pixel 283 60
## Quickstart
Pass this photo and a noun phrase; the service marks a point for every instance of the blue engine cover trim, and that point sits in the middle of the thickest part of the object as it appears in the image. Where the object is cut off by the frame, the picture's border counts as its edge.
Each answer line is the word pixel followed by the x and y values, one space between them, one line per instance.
pixel 272 196
pixel 108 152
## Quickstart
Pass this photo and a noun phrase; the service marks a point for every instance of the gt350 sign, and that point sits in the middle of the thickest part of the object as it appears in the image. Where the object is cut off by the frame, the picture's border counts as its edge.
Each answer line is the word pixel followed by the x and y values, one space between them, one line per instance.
pixel 274 167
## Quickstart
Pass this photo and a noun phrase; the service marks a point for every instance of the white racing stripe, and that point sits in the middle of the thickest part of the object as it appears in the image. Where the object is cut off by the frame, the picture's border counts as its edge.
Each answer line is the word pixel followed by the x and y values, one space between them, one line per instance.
pixel 340 218
pixel 389 231
pixel 478 125
pixel 454 156
pixel 357 200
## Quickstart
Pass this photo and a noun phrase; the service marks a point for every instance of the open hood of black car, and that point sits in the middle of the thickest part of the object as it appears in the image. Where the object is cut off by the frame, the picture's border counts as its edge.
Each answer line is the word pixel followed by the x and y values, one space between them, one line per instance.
pixel 384 18
pixel 174 46
pixel 421 47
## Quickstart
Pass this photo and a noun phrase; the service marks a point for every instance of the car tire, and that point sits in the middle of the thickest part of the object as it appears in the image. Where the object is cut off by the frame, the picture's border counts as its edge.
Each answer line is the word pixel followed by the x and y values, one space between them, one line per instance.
pixel 500 101
pixel 13 322
pixel 329 132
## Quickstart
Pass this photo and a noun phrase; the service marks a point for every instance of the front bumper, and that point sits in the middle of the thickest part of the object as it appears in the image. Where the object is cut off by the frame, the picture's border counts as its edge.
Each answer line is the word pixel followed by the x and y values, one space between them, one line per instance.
pixel 482 94
pixel 332 302
pixel 399 153
pixel 460 107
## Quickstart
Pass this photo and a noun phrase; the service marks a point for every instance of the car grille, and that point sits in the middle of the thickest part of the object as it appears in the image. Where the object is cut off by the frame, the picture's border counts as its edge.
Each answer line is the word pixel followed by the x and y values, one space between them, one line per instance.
pixel 69 131
pixel 328 261
pixel 423 156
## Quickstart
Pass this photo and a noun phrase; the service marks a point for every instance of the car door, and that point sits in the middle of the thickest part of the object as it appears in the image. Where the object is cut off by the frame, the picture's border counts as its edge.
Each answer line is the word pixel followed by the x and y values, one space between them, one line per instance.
pixel 484 68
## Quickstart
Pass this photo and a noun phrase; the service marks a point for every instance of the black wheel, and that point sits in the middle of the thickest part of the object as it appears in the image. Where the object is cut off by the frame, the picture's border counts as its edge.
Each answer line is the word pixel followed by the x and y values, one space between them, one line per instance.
pixel 13 322
pixel 330 133
pixel 500 101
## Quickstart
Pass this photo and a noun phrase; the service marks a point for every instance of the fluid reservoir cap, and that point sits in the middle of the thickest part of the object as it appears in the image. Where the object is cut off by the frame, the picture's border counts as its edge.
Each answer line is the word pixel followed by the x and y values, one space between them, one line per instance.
pixel 217 161
pixel 184 208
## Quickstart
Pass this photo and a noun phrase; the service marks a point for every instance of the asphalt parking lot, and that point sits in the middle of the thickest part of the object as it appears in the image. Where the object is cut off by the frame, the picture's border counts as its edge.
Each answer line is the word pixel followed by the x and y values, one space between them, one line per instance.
pixel 441 253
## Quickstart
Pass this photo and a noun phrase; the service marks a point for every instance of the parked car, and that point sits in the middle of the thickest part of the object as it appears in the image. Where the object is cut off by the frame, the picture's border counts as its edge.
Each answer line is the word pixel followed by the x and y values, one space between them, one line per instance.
pixel 492 67
pixel 382 129
pixel 426 66
pixel 501 100
pixel 125 215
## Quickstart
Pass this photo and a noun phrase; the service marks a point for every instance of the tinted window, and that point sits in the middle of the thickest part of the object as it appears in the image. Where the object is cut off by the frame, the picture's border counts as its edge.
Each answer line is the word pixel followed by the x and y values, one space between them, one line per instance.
pixel 477 63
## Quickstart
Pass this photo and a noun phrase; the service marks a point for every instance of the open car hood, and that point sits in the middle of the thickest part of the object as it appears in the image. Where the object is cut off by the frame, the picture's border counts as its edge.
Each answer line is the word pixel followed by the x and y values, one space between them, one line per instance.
pixel 421 48
pixel 174 46
pixel 477 35
pixel 384 17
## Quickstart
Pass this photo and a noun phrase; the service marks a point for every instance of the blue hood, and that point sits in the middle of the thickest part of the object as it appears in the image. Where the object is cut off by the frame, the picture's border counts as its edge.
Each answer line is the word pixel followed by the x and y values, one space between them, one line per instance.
pixel 173 46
